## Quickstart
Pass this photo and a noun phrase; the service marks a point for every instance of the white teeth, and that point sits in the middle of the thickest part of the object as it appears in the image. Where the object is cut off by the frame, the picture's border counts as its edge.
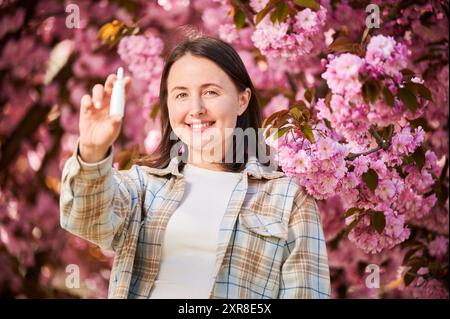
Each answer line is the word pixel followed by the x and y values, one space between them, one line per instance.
pixel 198 126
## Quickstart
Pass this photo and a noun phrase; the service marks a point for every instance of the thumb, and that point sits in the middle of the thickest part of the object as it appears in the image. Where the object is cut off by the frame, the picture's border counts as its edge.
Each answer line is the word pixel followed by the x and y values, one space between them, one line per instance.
pixel 115 121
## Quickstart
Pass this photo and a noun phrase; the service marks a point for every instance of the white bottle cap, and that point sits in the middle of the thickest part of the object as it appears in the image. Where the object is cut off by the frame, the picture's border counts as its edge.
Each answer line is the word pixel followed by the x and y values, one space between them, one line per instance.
pixel 120 73
pixel 117 103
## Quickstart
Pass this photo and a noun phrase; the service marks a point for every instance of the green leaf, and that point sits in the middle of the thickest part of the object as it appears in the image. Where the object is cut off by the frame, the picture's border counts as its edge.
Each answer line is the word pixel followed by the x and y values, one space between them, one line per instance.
pixel 371 91
pixel 409 277
pixel 371 179
pixel 421 121
pixel 282 120
pixel 301 105
pixel 408 98
pixel 424 92
pixel 388 96
pixel 341 44
pixel 417 262
pixel 296 113
pixel 309 95
pixel 408 160
pixel 386 132
pixel 399 170
pixel 407 74
pixel 239 19
pixel 411 243
pixel 409 254
pixel 313 5
pixel 280 132
pixel 419 157
pixel 273 118
pixel 274 16
pixel 328 101
pixel 412 87
pixel 351 211
pixel 280 13
pixel 378 221
pixel 154 112
pixel 284 10
pixel 261 14
pixel 434 268
pixel 307 130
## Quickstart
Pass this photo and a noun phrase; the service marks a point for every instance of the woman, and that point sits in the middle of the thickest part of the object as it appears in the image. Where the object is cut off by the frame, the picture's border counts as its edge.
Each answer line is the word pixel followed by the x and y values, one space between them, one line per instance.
pixel 204 228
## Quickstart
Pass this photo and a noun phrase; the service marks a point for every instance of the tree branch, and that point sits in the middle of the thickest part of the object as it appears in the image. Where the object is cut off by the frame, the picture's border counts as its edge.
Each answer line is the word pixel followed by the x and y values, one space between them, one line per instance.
pixel 382 144
pixel 245 10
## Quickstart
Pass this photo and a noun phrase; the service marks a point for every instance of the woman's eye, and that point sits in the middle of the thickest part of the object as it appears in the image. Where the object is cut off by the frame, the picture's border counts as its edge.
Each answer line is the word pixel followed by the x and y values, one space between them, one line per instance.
pixel 181 95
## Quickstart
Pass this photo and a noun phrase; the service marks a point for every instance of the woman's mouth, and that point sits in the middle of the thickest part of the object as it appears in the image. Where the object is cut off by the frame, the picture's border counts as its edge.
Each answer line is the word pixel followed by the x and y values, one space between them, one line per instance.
pixel 200 126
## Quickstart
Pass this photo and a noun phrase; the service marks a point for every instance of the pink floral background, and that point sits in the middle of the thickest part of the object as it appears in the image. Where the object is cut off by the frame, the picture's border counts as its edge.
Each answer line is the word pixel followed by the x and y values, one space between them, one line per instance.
pixel 362 119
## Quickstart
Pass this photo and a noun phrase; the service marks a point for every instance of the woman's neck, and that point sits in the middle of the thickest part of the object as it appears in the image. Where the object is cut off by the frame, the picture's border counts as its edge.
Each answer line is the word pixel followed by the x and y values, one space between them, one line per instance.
pixel 198 160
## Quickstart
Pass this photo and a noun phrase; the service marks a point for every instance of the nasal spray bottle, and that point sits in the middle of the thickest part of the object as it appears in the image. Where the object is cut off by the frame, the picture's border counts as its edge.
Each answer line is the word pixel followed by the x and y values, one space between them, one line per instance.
pixel 117 104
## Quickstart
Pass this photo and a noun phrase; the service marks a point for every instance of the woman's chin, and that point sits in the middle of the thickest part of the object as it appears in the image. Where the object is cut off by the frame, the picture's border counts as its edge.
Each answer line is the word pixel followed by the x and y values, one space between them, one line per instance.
pixel 206 151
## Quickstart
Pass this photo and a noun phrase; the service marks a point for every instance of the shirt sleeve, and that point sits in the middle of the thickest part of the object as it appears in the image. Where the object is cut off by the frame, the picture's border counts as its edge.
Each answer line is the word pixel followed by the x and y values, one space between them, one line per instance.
pixel 97 201
pixel 305 272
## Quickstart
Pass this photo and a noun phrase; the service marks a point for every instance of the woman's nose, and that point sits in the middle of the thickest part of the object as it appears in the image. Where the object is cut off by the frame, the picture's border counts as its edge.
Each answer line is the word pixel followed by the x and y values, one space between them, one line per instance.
pixel 197 113
pixel 197 107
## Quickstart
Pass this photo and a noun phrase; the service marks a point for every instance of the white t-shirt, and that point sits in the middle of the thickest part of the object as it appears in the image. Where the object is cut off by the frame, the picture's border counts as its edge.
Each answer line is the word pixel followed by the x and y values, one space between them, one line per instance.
pixel 191 237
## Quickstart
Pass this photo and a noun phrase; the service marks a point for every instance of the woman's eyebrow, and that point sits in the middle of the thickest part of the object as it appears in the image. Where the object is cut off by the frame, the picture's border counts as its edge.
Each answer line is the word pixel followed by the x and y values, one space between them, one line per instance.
pixel 201 86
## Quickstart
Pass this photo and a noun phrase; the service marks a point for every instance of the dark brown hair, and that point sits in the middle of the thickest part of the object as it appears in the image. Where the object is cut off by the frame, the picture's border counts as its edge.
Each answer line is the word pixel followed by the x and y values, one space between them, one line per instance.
pixel 229 61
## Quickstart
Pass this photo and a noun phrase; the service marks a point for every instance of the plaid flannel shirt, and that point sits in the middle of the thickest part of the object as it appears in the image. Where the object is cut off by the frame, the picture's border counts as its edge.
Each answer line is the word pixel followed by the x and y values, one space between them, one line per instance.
pixel 271 242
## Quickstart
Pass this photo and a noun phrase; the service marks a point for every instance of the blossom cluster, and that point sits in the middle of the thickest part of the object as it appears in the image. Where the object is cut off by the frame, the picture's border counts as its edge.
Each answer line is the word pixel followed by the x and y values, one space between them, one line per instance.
pixel 346 76
pixel 292 38
pixel 39 128
pixel 142 54
pixel 319 166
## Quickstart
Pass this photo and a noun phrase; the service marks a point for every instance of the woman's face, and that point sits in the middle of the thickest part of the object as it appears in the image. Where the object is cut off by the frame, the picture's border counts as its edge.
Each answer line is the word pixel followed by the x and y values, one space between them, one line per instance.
pixel 202 103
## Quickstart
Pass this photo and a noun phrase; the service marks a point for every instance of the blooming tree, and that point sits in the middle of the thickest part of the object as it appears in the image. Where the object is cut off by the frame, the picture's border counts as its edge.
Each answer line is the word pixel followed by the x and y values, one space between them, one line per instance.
pixel 355 103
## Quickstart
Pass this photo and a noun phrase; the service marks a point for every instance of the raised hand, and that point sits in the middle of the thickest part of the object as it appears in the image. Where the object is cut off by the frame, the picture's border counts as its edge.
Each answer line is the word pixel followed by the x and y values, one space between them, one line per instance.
pixel 99 130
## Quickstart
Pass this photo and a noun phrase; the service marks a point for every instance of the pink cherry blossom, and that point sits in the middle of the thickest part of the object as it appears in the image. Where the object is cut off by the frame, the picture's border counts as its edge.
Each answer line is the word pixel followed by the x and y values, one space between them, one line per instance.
pixel 39 128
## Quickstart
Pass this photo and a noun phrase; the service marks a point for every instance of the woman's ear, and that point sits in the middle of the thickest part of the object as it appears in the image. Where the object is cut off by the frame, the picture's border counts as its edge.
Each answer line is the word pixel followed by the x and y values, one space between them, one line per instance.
pixel 244 100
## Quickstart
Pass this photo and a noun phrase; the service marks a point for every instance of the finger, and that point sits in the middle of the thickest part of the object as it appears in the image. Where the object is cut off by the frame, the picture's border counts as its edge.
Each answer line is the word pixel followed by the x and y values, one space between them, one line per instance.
pixel 127 85
pixel 86 103
pixel 109 83
pixel 97 95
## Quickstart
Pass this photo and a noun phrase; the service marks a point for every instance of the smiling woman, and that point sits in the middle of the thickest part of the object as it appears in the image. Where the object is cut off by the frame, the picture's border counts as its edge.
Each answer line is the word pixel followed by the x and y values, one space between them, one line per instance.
pixel 205 86
pixel 187 228
pixel 199 106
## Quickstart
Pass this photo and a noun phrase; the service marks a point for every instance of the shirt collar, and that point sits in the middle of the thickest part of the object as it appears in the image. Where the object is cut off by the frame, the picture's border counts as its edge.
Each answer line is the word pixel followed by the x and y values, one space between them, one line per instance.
pixel 253 168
